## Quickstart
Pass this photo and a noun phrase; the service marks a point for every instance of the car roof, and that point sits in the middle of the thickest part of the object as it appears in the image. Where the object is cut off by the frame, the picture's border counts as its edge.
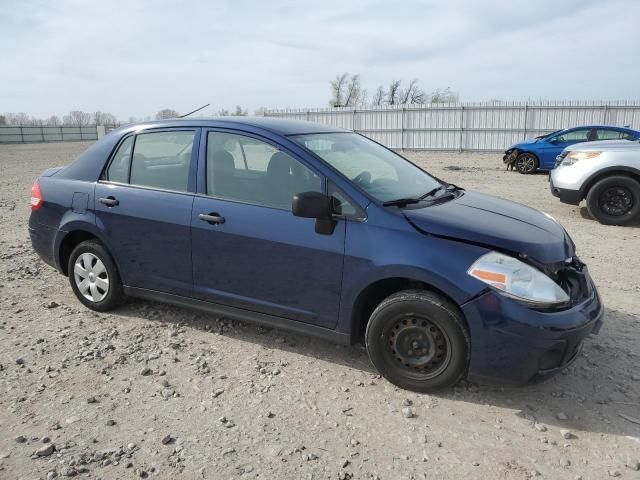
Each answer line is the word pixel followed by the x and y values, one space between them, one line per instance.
pixel 609 127
pixel 278 126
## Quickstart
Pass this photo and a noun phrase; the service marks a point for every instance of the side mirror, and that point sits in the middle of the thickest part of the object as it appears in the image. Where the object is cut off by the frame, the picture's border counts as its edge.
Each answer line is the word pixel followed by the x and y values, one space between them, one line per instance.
pixel 314 205
pixel 553 140
pixel 311 205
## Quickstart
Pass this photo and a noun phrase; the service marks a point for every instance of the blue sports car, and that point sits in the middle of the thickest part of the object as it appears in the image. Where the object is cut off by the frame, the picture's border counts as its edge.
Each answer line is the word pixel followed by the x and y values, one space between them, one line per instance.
pixel 540 153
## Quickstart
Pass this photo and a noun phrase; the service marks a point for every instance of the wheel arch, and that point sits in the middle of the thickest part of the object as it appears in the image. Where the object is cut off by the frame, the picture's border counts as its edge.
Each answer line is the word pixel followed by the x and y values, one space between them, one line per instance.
pixel 74 234
pixel 375 292
pixel 631 172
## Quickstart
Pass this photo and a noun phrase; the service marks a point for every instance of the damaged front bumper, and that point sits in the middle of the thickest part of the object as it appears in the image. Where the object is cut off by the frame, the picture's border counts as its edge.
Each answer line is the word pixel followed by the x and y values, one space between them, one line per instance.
pixel 514 344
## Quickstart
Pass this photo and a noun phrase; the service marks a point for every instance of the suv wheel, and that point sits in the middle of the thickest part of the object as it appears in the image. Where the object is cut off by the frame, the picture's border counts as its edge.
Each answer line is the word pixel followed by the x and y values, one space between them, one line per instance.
pixel 526 163
pixel 614 200
pixel 418 341
pixel 94 277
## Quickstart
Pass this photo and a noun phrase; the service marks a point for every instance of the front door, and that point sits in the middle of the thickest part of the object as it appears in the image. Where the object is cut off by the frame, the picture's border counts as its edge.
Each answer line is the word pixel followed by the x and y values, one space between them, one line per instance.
pixel 249 251
pixel 557 144
pixel 143 206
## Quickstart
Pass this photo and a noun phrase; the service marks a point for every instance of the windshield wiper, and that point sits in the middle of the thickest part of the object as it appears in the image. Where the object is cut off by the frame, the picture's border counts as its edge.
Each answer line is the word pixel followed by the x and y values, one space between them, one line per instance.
pixel 432 192
pixel 400 202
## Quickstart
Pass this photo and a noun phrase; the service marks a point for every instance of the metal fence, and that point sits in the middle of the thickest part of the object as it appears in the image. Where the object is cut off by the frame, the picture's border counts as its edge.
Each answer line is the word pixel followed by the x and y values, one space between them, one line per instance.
pixel 488 126
pixel 37 134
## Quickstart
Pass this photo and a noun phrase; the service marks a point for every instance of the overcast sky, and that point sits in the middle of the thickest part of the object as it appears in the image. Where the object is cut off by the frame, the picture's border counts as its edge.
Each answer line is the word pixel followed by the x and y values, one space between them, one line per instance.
pixel 132 58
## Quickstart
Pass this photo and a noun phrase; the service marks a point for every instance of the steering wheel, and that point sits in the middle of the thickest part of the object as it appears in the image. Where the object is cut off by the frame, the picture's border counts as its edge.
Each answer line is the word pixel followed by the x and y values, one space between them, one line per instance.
pixel 363 178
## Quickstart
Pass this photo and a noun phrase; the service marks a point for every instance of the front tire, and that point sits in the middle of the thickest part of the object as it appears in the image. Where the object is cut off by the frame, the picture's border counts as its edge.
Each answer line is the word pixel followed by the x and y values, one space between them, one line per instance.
pixel 418 341
pixel 94 277
pixel 614 200
pixel 527 163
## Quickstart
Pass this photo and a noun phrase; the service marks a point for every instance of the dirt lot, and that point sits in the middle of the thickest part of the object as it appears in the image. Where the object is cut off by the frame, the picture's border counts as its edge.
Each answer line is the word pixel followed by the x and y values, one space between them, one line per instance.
pixel 160 392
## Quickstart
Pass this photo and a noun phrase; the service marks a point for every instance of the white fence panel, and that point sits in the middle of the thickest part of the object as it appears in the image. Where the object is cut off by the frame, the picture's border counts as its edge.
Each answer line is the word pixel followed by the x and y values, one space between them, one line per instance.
pixel 488 126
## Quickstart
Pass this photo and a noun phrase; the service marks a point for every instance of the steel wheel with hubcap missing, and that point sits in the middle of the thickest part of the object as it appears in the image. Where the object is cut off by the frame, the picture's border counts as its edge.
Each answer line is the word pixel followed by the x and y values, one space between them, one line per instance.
pixel 418 340
pixel 418 346
pixel 526 163
pixel 94 277
pixel 91 277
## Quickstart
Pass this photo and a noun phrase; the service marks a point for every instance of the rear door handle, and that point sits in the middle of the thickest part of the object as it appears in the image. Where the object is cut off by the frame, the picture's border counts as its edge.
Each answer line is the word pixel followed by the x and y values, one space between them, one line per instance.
pixel 211 218
pixel 109 201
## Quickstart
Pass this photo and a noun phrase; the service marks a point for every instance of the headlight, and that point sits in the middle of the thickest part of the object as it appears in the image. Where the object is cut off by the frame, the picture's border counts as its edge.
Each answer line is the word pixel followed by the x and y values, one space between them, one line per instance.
pixel 573 157
pixel 516 279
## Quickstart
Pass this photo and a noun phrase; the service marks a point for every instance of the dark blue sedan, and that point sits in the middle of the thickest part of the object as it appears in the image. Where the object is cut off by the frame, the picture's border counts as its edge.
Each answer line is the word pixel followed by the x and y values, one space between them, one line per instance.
pixel 320 231
pixel 540 153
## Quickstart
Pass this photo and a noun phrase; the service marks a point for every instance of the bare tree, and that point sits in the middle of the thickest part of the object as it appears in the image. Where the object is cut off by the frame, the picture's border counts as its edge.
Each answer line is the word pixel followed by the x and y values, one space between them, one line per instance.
pixel 379 97
pixel 223 112
pixel 413 94
pixel 53 121
pixel 444 96
pixel 238 112
pixel 77 118
pixel 103 118
pixel 3 120
pixel 353 91
pixel 20 118
pixel 393 93
pixel 166 113
pixel 338 88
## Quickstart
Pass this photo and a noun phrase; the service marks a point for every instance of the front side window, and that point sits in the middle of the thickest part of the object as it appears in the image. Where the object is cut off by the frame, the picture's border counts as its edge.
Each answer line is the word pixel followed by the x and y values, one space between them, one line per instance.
pixel 249 170
pixel 380 172
pixel 162 159
pixel 118 170
pixel 574 136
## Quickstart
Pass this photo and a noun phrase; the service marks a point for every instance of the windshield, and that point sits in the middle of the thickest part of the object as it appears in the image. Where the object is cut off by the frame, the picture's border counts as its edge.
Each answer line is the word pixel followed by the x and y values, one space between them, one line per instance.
pixel 547 135
pixel 380 172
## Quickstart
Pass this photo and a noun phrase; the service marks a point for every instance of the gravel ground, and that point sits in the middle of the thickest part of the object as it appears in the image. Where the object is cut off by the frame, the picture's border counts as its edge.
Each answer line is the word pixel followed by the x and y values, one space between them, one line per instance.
pixel 162 392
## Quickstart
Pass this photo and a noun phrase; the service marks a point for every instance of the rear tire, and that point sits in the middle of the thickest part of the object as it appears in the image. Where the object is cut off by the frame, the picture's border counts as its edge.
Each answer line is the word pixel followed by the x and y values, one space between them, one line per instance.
pixel 614 200
pixel 527 163
pixel 418 340
pixel 94 277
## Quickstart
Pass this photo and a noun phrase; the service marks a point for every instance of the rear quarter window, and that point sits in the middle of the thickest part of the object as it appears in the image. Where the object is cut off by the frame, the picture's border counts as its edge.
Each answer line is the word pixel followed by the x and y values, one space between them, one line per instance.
pixel 118 170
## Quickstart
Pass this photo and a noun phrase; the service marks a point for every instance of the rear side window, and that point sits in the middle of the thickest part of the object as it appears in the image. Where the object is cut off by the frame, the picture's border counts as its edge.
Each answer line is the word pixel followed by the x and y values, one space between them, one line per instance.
pixel 118 170
pixel 609 134
pixel 161 160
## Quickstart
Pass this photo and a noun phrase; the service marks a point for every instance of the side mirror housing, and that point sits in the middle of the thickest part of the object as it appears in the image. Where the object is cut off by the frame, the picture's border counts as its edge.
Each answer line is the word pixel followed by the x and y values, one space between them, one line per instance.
pixel 314 205
pixel 311 205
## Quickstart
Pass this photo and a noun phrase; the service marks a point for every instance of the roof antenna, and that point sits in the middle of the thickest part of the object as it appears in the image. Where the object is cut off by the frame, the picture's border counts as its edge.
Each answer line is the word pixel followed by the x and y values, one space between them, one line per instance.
pixel 196 110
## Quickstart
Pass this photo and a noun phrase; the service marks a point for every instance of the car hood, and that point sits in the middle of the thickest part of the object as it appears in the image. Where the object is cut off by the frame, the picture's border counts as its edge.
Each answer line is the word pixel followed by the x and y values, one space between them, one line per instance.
pixel 604 145
pixel 527 141
pixel 495 223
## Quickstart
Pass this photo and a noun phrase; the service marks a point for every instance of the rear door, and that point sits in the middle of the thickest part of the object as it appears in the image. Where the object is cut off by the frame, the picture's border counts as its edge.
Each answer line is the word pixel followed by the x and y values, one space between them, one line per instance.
pixel 249 251
pixel 143 204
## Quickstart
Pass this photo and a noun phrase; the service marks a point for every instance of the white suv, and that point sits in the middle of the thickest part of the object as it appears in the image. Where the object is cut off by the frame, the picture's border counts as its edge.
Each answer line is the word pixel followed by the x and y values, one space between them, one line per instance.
pixel 606 174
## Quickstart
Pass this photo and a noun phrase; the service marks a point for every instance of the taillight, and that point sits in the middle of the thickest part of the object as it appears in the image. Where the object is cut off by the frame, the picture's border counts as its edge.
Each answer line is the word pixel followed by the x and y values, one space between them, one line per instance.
pixel 36 196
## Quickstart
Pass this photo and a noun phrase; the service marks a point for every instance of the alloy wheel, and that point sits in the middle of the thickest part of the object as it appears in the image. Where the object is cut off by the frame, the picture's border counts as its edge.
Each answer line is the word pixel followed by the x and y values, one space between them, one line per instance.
pixel 616 201
pixel 526 163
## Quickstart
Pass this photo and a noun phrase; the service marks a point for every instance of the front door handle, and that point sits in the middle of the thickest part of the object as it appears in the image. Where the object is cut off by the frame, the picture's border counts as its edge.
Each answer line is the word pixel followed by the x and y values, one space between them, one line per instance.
pixel 211 218
pixel 109 201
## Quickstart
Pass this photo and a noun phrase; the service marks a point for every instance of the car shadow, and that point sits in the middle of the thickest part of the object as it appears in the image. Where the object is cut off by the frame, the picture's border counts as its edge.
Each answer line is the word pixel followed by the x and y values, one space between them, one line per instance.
pixel 595 393
pixel 584 213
